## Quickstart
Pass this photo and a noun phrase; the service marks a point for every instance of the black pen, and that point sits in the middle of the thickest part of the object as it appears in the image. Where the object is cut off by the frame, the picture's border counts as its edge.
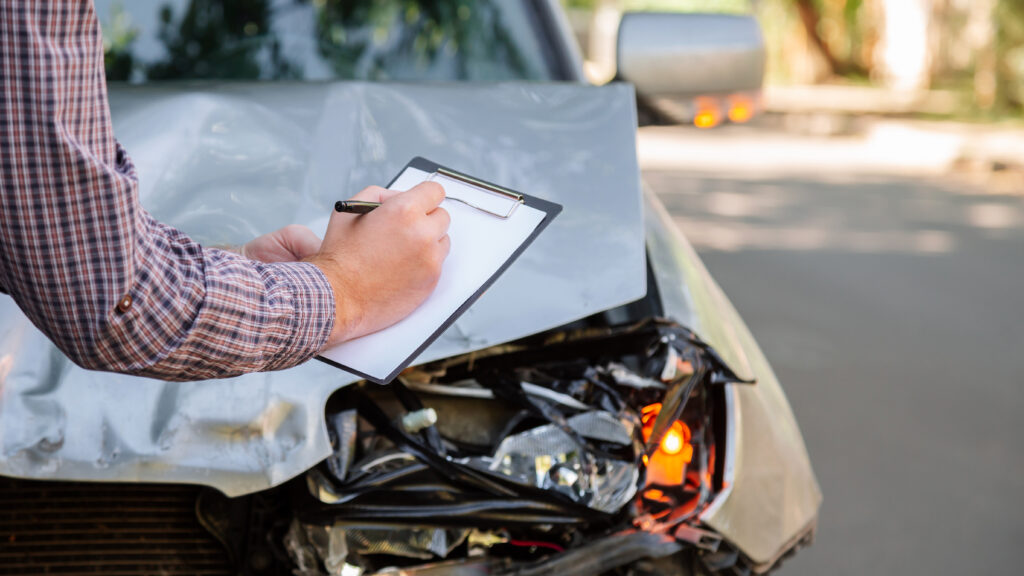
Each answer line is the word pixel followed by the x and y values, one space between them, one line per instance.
pixel 355 206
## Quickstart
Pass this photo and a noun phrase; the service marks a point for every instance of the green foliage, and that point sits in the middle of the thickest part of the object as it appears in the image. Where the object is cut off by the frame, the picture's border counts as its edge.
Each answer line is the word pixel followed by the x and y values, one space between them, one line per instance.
pixel 713 6
pixel 1010 54
pixel 217 39
pixel 581 4
pixel 118 37
pixel 365 39
pixel 851 31
pixel 368 38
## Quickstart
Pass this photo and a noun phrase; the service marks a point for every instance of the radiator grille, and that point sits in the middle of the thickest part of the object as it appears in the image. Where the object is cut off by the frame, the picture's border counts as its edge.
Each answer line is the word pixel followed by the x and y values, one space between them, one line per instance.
pixel 72 528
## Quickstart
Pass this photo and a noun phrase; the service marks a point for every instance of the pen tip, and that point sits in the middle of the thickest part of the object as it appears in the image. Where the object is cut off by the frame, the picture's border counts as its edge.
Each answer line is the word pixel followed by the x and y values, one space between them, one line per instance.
pixel 339 206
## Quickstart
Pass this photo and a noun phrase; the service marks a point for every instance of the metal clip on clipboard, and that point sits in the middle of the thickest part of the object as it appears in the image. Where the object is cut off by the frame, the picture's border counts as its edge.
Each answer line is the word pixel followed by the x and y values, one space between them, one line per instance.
pixel 514 199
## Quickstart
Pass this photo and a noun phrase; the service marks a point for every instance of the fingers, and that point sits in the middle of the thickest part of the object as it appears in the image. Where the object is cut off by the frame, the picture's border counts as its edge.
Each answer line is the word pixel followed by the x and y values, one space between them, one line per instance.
pixel 420 205
pixel 423 197
pixel 300 241
pixel 440 253
pixel 439 221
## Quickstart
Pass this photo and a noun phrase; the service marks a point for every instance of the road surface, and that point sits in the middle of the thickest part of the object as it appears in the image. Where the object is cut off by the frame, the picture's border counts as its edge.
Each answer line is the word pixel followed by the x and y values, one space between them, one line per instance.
pixel 891 305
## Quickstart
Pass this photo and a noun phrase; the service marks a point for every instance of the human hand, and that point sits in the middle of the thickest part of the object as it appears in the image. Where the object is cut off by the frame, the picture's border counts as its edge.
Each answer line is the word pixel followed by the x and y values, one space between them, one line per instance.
pixel 289 244
pixel 384 264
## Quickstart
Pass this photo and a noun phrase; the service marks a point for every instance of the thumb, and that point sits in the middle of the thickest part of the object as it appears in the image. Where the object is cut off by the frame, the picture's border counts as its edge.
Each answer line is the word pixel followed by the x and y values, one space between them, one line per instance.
pixel 299 241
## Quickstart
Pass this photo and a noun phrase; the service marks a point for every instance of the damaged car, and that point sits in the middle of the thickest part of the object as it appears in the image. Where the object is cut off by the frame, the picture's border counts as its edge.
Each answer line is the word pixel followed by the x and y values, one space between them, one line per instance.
pixel 601 409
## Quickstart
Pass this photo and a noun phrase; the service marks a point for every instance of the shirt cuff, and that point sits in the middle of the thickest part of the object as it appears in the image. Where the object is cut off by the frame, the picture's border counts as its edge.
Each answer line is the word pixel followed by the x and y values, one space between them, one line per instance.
pixel 312 301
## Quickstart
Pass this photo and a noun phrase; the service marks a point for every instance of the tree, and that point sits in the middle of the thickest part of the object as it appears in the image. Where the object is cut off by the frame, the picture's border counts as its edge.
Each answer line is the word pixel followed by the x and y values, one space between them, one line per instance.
pixel 810 16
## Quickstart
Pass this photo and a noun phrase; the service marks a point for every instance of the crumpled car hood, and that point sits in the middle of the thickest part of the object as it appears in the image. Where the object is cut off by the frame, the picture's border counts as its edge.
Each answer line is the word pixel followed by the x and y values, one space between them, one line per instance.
pixel 230 162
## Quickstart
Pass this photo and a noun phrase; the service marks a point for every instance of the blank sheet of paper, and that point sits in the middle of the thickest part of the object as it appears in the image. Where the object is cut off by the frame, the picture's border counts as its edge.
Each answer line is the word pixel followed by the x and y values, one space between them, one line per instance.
pixel 481 244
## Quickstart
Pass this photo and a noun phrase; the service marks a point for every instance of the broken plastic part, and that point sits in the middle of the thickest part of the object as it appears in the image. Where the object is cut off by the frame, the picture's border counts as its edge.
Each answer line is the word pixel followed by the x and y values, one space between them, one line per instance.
pixel 703 539
pixel 675 400
pixel 342 430
pixel 301 551
pixel 336 555
pixel 549 458
pixel 625 377
pixel 485 539
pixel 602 426
pixel 471 389
pixel 413 422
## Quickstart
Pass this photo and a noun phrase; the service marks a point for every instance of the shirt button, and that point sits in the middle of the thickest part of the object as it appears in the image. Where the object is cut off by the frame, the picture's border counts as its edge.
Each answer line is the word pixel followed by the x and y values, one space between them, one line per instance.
pixel 124 304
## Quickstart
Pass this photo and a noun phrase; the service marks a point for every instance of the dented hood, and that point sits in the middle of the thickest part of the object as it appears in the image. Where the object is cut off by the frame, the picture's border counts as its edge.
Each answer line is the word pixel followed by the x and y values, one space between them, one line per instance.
pixel 229 162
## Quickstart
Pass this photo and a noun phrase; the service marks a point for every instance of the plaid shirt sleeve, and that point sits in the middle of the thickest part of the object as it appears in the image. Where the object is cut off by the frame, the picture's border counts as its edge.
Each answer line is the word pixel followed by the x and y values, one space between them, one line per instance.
pixel 112 287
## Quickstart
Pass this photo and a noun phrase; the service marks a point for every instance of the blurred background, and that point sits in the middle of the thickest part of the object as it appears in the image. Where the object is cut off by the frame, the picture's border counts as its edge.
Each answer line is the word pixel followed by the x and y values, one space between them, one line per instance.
pixel 867 223
pixel 938 58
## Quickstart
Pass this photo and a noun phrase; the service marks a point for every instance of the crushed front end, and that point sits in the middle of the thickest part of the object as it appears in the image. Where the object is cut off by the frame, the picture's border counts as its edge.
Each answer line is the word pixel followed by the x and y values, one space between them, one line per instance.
pixel 582 451
pixel 528 440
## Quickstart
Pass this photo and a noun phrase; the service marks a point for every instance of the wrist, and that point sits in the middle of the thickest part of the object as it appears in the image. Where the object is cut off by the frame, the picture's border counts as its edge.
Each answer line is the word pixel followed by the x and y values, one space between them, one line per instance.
pixel 240 250
pixel 346 310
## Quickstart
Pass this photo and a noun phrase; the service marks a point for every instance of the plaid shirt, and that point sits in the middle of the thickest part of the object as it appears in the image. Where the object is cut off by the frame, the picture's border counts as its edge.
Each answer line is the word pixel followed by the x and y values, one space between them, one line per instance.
pixel 112 287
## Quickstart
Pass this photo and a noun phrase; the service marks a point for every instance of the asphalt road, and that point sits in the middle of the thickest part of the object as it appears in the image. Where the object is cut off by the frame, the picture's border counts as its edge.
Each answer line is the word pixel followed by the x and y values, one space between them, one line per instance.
pixel 892 309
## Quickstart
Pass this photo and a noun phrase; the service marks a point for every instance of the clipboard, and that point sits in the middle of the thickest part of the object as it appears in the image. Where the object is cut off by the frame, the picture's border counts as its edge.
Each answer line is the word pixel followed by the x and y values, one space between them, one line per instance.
pixel 512 221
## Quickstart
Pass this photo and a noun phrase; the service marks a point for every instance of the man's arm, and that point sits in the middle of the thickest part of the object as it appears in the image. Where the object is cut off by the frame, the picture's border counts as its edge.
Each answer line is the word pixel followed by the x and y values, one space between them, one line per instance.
pixel 113 288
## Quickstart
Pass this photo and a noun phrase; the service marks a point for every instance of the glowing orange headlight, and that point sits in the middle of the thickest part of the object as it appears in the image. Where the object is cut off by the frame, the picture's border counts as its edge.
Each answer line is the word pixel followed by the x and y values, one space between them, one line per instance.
pixel 667 465
pixel 673 441
pixel 676 441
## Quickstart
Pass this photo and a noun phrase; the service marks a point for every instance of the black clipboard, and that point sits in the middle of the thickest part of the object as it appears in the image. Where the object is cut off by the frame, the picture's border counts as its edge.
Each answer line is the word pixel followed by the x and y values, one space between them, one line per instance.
pixel 550 209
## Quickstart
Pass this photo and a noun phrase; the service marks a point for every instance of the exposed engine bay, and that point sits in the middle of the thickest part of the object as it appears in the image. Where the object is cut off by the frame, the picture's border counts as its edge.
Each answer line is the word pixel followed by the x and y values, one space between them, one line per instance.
pixel 572 452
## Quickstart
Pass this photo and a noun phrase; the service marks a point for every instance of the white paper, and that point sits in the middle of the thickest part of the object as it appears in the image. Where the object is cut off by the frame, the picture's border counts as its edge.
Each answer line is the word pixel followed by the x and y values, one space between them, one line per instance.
pixel 480 244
